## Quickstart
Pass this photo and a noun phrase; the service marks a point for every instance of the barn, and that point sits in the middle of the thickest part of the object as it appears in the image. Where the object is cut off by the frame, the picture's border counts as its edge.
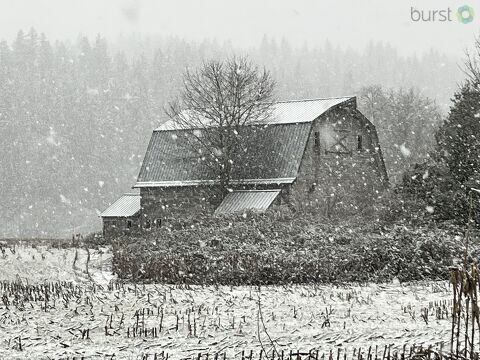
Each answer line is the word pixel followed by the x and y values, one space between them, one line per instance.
pixel 310 154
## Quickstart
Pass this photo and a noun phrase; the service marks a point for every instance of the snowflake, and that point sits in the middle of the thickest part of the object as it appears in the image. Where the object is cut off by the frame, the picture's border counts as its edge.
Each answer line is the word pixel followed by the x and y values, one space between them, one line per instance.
pixel 405 151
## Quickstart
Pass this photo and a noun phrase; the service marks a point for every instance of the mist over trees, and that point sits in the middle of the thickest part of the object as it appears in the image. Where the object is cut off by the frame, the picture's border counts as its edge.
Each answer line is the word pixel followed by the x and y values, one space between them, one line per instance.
pixel 445 186
pixel 75 118
pixel 406 123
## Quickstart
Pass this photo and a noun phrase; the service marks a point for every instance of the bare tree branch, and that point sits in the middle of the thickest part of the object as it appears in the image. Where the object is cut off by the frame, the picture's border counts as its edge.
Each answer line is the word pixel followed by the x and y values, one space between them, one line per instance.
pixel 216 101
pixel 472 63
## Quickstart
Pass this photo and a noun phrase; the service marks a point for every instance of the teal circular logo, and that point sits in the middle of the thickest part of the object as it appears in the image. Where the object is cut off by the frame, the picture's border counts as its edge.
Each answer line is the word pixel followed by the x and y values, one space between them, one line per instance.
pixel 465 14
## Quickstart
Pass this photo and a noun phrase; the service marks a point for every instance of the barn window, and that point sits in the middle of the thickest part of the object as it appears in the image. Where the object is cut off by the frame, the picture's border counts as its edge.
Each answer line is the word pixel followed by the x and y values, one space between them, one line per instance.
pixel 359 142
pixel 129 224
pixel 316 139
pixel 158 223
pixel 148 225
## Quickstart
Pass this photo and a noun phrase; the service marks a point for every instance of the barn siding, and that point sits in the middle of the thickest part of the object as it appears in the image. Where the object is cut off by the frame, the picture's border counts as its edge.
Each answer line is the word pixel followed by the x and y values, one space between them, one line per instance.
pixel 167 202
pixel 116 226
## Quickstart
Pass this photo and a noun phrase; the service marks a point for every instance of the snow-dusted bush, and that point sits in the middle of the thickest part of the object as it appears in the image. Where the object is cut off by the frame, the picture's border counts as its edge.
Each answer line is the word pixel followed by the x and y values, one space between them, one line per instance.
pixel 282 248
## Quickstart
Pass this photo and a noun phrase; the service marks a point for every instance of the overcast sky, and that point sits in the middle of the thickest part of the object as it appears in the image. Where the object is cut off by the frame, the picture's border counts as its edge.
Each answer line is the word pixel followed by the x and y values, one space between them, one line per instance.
pixel 348 23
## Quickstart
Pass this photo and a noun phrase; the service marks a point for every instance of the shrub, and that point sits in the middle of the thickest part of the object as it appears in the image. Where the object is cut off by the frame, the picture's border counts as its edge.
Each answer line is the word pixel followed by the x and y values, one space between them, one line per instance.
pixel 284 248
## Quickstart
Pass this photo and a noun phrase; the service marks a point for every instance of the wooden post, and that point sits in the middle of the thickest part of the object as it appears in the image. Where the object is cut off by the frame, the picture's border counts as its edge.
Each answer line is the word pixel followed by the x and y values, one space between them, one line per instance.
pixel 161 321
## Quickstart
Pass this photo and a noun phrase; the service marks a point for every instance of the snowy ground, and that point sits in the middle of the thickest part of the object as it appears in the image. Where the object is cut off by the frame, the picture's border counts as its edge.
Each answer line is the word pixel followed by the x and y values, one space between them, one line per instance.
pixel 201 319
pixel 41 263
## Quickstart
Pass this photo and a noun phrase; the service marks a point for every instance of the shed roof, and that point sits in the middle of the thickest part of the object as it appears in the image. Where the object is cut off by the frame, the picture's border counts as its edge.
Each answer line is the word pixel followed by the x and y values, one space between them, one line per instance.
pixel 127 205
pixel 288 112
pixel 242 200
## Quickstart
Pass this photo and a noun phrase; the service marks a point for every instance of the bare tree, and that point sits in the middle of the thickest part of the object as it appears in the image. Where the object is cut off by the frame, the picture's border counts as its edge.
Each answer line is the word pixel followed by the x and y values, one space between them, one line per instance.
pixel 472 63
pixel 216 103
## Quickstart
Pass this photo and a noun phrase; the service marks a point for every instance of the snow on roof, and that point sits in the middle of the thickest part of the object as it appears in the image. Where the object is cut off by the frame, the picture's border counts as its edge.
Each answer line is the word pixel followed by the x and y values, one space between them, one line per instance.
pixel 181 183
pixel 287 112
pixel 127 205
pixel 242 200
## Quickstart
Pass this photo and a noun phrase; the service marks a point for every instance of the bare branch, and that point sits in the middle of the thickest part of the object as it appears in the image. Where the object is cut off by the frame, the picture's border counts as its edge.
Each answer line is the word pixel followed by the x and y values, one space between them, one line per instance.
pixel 217 100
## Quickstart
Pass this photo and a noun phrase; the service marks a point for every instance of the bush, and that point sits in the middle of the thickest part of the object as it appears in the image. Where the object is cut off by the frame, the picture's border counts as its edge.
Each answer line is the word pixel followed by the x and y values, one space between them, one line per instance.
pixel 95 240
pixel 284 248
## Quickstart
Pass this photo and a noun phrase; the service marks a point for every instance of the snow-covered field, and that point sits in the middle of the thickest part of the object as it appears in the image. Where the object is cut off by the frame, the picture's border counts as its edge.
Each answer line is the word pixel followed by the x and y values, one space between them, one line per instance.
pixel 192 320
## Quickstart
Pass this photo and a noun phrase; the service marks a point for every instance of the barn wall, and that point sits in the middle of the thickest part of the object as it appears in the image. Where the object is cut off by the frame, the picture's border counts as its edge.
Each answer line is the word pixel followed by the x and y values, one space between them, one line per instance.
pixel 116 226
pixel 168 202
pixel 352 178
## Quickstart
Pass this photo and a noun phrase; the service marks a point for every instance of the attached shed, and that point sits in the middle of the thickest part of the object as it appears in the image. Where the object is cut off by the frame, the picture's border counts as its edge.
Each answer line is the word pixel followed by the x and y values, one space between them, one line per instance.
pixel 122 216
pixel 247 200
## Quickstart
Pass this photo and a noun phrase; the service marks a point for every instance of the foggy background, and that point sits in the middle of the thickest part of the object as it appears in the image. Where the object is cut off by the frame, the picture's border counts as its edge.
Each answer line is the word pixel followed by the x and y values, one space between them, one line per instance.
pixel 83 83
pixel 348 23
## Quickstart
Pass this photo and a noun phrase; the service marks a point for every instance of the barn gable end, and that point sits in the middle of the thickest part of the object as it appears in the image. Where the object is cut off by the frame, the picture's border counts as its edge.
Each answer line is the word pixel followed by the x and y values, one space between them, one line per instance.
pixel 342 161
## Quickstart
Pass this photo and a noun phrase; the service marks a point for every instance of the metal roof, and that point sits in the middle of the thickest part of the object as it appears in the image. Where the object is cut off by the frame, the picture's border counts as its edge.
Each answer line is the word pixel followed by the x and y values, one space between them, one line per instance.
pixel 127 205
pixel 287 112
pixel 242 200
pixel 274 153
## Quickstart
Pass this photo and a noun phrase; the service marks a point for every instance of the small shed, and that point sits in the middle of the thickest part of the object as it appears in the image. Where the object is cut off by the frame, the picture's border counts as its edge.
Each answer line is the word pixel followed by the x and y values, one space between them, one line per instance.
pixel 122 216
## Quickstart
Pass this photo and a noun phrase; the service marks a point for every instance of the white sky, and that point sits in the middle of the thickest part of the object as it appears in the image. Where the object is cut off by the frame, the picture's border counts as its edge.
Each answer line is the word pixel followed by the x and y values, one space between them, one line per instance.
pixel 348 23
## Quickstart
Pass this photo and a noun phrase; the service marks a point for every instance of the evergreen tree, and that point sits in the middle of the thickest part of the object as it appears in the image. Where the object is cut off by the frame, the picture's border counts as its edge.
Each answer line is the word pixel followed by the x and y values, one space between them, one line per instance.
pixel 459 137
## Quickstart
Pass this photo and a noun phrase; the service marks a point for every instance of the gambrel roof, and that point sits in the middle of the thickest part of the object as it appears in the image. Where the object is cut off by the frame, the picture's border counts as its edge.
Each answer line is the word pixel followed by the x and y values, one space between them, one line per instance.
pixel 273 158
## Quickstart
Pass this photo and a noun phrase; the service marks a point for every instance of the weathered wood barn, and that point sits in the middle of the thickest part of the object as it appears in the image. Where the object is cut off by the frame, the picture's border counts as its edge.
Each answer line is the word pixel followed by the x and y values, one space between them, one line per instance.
pixel 311 153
